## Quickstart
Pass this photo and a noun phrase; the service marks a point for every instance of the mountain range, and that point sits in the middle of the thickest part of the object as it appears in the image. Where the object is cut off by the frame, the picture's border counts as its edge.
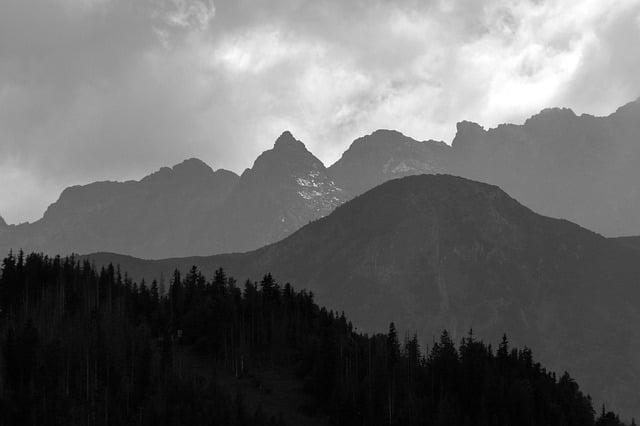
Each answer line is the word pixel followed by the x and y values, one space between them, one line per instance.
pixel 428 252
pixel 446 252
pixel 582 168
pixel 188 209
pixel 384 155
pixel 155 216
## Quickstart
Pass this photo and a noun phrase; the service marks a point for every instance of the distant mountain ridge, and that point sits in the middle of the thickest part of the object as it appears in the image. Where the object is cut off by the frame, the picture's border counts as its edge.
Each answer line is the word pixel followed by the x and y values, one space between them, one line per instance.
pixel 151 217
pixel 286 188
pixel 384 155
pixel 187 209
pixel 581 168
pixel 446 252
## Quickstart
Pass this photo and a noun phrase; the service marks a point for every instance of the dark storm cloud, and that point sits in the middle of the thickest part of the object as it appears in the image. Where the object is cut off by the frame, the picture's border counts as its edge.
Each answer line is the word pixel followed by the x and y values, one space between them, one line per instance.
pixel 106 89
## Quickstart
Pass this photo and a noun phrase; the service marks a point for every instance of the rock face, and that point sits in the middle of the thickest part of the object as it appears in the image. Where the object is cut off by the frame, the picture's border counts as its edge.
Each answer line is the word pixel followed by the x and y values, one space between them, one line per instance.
pixel 446 252
pixel 582 168
pixel 3 224
pixel 384 155
pixel 286 188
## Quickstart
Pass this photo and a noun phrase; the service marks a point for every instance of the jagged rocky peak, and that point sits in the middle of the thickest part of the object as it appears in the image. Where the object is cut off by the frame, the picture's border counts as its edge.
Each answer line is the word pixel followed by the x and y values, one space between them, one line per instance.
pixel 550 115
pixel 381 138
pixel 386 143
pixel 2 222
pixel 287 141
pixel 287 155
pixel 394 137
pixel 192 173
pixel 385 135
pixel 289 161
pixel 467 135
pixel 192 166
pixel 387 154
pixel 630 110
pixel 468 127
pixel 189 169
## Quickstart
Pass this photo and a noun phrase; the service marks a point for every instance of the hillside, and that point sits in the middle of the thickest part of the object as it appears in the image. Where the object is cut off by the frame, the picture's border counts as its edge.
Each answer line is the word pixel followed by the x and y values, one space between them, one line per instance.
pixel 263 354
pixel 447 252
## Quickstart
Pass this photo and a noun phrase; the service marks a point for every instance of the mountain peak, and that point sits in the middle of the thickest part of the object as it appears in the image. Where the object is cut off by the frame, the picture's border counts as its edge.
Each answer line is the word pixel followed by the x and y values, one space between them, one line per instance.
pixel 386 154
pixel 387 132
pixel 2 222
pixel 189 169
pixel 468 126
pixel 631 110
pixel 286 140
pixel 552 114
pixel 467 135
pixel 191 166
pixel 287 154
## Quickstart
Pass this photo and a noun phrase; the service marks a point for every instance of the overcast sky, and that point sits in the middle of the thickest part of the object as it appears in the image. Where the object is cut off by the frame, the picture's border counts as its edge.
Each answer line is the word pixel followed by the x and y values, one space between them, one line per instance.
pixel 113 89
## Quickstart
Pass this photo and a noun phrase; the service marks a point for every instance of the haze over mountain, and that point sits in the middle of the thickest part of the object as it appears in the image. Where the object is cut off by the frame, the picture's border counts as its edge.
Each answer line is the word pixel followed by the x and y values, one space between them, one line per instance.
pixel 581 168
pixel 446 252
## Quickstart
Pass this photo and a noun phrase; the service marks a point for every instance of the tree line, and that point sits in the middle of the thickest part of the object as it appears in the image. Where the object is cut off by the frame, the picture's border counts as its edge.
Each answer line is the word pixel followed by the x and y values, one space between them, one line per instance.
pixel 82 346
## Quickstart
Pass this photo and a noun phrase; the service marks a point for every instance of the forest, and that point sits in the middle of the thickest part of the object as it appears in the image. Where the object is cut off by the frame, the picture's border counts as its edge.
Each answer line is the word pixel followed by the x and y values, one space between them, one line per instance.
pixel 81 346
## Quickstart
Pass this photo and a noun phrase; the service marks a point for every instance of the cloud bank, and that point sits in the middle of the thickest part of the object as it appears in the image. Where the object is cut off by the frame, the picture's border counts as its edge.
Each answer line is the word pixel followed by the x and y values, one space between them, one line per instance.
pixel 112 89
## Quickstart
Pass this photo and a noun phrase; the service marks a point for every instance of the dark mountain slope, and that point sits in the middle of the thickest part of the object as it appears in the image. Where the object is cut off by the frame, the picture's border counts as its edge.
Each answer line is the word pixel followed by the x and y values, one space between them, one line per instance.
pixel 582 168
pixel 384 155
pixel 446 252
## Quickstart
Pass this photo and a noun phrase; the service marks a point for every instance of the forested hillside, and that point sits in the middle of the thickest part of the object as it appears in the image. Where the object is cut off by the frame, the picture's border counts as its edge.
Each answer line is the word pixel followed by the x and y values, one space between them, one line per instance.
pixel 91 347
pixel 436 252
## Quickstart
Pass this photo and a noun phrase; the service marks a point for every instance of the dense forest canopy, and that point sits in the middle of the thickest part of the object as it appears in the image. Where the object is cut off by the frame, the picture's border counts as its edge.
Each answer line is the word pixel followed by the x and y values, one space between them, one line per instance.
pixel 82 346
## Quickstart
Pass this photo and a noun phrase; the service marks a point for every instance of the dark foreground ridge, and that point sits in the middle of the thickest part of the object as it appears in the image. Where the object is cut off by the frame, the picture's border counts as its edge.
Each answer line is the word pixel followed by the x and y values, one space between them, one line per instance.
pixel 88 347
pixel 435 252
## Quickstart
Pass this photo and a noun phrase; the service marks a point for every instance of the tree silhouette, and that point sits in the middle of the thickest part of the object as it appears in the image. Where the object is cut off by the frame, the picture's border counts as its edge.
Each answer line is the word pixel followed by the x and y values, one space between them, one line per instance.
pixel 81 346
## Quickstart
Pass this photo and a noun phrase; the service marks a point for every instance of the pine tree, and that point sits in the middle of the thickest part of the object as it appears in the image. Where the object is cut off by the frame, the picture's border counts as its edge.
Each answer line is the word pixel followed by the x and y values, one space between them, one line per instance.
pixel 393 346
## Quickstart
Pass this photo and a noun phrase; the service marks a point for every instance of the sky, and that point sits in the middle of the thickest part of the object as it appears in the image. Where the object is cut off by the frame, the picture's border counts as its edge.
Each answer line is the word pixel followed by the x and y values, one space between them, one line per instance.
pixel 114 89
